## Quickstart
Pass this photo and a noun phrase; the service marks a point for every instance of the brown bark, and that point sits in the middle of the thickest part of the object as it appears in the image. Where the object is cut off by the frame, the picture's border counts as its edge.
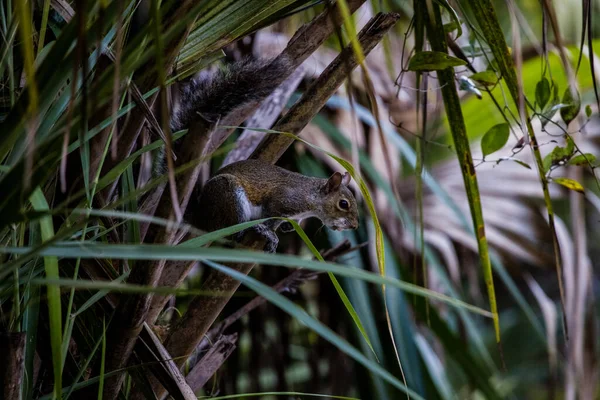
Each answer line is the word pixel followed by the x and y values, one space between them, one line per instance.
pixel 12 355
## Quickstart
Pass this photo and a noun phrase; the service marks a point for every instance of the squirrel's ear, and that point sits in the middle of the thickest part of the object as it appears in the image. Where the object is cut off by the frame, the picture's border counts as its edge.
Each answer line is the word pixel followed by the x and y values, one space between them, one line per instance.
pixel 333 183
pixel 346 179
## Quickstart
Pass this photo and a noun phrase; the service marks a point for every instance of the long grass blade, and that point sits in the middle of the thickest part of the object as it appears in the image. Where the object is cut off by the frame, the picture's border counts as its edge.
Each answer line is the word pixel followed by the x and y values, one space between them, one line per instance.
pixel 39 203
pixel 326 333
pixel 183 253
pixel 461 141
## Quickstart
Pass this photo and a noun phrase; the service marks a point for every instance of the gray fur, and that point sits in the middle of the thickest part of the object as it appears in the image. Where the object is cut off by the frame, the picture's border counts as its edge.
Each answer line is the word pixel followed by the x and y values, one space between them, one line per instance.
pixel 235 85
pixel 271 191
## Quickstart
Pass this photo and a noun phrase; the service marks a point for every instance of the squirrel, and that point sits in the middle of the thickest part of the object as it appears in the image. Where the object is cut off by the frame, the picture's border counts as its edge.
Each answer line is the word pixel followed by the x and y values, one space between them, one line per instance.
pixel 254 189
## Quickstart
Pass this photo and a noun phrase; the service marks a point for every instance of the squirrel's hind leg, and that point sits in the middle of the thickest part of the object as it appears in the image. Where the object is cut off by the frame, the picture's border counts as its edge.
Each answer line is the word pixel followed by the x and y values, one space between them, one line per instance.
pixel 224 203
pixel 219 206
pixel 269 235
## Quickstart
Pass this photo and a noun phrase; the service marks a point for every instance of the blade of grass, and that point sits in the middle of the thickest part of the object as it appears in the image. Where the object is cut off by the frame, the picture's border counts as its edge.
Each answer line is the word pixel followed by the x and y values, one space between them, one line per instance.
pixel 436 369
pixel 183 253
pixel 336 284
pixel 325 332
pixel 102 360
pixel 30 321
pixel 356 289
pixel 23 14
pixel 42 33
pixel 75 385
pixel 406 151
pixel 485 14
pixel 38 201
pixel 437 40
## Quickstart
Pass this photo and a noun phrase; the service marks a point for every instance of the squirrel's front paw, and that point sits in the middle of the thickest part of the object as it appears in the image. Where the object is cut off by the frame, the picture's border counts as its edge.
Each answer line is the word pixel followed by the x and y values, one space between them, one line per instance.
pixel 270 237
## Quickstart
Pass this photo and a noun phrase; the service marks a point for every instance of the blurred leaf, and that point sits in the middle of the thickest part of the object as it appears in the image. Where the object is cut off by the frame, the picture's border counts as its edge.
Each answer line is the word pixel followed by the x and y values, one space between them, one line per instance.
pixel 548 113
pixel 521 163
pixel 102 360
pixel 495 139
pixel 547 162
pixel 588 111
pixel 569 184
pixel 573 105
pixel 480 115
pixel 451 26
pixel 433 61
pixel 405 329
pixel 485 78
pixel 560 155
pixel 435 367
pixel 583 159
pixel 542 93
pixel 453 14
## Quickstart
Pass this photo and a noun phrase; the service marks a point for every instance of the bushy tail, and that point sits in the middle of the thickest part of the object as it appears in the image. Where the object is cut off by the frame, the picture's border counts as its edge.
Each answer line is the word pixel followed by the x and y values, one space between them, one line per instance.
pixel 236 85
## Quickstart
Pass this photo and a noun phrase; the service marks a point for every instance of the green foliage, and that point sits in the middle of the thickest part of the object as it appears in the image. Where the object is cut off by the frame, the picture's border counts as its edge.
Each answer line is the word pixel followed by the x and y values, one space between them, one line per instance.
pixel 570 184
pixel 572 103
pixel 583 159
pixel 74 202
pixel 495 139
pixel 485 78
pixel 433 61
pixel 542 93
pixel 481 115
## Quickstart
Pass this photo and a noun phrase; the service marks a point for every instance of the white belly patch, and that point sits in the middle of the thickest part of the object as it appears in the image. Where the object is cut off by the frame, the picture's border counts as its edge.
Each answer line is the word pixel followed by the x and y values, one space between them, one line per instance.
pixel 250 211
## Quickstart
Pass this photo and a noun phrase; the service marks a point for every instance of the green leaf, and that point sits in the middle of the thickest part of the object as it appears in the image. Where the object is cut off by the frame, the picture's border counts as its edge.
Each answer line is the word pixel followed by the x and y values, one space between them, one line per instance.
pixel 569 113
pixel 547 163
pixel 583 159
pixel 588 111
pixel 39 203
pixel 561 155
pixel 570 147
pixel 495 139
pixel 542 93
pixel 549 111
pixel 461 141
pixel 485 78
pixel 521 163
pixel 569 184
pixel 451 26
pixel 433 61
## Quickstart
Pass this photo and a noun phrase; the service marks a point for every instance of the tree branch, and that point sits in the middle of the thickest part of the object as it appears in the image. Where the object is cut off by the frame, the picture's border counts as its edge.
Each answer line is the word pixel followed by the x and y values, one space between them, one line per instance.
pixel 273 146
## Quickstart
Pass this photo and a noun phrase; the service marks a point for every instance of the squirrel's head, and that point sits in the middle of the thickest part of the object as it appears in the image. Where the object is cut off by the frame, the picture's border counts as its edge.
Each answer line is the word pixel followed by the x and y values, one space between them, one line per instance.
pixel 339 210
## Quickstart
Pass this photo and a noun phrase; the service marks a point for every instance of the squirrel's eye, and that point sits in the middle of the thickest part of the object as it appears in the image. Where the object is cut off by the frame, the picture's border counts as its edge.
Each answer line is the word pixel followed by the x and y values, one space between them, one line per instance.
pixel 344 205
